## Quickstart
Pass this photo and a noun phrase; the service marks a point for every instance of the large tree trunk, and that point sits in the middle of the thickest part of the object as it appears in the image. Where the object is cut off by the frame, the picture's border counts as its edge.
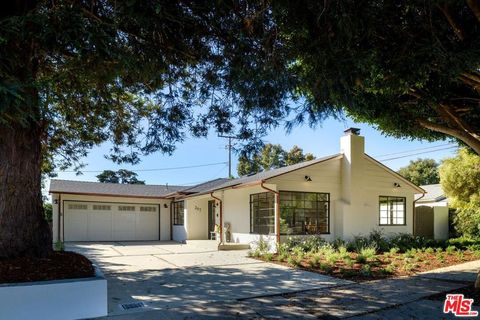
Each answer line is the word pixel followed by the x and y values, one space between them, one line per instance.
pixel 23 228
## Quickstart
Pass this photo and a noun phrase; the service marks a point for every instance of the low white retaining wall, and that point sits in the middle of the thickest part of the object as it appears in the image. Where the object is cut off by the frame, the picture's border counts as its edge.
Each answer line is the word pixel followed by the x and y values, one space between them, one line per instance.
pixel 56 299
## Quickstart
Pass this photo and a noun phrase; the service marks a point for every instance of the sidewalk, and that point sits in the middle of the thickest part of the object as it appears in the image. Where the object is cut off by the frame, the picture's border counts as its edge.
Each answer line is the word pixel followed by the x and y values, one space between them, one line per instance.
pixel 397 298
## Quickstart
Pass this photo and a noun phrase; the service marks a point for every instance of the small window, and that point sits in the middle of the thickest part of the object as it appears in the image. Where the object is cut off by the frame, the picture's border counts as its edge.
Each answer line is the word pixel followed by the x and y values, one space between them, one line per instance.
pixel 101 207
pixel 178 213
pixel 148 209
pixel 126 208
pixel 77 206
pixel 392 211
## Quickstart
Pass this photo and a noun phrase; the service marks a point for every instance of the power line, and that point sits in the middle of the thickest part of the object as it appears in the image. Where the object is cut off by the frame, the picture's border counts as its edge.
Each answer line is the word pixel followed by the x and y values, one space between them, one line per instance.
pixel 159 169
pixel 414 154
pixel 418 149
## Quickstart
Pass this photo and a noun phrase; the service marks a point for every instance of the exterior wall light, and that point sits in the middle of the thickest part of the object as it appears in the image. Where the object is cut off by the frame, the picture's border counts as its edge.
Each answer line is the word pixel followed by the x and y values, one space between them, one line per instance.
pixel 165 205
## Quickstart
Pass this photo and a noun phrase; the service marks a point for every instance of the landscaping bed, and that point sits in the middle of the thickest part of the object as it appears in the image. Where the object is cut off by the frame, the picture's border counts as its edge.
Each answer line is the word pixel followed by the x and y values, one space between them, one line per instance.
pixel 58 265
pixel 369 258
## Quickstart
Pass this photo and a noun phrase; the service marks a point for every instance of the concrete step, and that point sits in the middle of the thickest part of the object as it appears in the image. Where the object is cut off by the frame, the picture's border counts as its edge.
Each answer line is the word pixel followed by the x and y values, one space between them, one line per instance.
pixel 233 246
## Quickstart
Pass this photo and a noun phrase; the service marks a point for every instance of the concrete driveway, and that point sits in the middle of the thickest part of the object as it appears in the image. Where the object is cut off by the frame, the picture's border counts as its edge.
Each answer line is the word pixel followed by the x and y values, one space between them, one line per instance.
pixel 169 274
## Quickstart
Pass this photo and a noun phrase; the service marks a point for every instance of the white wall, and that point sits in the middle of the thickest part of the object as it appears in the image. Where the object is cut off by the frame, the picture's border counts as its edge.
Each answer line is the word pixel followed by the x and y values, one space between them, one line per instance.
pixel 196 218
pixel 58 299
pixel 164 212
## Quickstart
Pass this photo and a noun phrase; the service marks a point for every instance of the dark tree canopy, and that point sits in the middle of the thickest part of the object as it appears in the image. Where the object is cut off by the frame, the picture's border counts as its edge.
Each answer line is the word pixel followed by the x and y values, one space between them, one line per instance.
pixel 410 68
pixel 121 176
pixel 421 172
pixel 271 156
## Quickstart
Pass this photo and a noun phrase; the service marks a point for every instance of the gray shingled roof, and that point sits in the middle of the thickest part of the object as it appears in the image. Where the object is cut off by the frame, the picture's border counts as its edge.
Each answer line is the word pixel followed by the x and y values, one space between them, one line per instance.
pixel 204 186
pixel 265 175
pixel 112 189
pixel 434 193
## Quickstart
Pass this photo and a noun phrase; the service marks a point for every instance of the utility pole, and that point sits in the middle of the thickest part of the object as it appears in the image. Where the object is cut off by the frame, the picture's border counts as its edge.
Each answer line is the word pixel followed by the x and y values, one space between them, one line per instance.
pixel 229 153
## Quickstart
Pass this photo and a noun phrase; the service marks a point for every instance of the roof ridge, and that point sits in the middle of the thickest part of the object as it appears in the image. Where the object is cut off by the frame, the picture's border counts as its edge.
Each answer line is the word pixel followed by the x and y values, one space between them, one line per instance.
pixel 121 184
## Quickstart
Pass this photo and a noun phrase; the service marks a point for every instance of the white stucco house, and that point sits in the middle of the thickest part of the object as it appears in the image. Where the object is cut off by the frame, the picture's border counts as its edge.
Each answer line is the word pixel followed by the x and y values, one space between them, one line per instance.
pixel 337 196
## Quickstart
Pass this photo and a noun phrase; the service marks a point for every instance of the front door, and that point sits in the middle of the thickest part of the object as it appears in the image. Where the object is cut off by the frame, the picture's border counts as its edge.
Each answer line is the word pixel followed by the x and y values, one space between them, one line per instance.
pixel 211 218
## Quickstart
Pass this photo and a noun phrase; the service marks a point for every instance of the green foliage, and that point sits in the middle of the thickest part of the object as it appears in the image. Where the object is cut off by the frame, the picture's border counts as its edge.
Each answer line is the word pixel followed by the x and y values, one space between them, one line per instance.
pixel 268 256
pixel 366 270
pixel 460 178
pixel 368 252
pixel 271 156
pixel 394 250
pixel 314 260
pixel 48 211
pixel 59 246
pixel 307 244
pixel 120 176
pixel 361 258
pixel 450 249
pixel 421 172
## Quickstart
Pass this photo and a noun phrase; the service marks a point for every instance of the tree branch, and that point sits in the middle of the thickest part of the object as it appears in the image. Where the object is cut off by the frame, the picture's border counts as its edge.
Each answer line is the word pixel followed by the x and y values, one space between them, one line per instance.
pixel 455 26
pixel 469 140
pixel 475 7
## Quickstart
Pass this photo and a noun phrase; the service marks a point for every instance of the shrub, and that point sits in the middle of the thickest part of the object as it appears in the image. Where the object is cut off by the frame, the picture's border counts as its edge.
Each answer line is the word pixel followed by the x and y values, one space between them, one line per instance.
pixel 306 244
pixel 282 249
pixel 282 257
pixel 394 250
pixel 464 242
pixel 343 252
pixel 332 257
pixel 348 261
pixel 368 252
pixel 59 246
pixel 366 270
pixel 262 246
pixel 439 250
pixel 268 256
pixel 325 267
pixel 429 250
pixel 361 258
pixel 314 260
pixel 450 249
pixel 294 261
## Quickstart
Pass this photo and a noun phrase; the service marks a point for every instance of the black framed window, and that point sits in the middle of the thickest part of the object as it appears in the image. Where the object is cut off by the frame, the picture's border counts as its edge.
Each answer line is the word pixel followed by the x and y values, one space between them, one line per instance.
pixel 392 211
pixel 262 213
pixel 178 208
pixel 304 213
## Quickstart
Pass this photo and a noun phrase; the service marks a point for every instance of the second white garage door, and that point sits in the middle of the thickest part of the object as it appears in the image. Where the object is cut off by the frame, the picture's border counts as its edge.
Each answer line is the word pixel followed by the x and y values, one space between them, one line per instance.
pixel 94 221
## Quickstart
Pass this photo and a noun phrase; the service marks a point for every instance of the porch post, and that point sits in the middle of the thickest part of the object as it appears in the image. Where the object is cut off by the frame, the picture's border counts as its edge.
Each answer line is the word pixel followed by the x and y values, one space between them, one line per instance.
pixel 277 217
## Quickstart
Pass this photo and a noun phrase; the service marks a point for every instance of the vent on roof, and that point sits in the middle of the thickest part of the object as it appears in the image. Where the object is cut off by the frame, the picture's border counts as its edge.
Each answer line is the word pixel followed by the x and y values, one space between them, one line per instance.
pixel 132 305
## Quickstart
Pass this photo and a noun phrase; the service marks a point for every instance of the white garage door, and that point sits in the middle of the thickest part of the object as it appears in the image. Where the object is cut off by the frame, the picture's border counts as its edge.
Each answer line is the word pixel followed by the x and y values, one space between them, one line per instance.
pixel 94 221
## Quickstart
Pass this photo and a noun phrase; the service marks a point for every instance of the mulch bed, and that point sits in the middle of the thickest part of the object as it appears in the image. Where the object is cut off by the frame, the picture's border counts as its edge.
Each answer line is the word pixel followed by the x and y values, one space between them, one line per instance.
pixel 402 266
pixel 58 265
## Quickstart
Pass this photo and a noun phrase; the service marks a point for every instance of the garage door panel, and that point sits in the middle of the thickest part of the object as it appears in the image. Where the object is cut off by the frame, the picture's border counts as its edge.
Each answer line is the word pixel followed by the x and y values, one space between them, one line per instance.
pixel 124 226
pixel 76 225
pixel 146 226
pixel 100 226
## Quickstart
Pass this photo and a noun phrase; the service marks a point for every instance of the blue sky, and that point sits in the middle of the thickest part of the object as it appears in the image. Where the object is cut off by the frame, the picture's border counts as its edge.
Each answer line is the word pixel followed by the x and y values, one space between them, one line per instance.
pixel 321 141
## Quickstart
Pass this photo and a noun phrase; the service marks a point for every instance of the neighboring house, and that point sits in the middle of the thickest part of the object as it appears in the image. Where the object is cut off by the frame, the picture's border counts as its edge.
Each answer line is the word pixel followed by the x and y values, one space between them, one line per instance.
pixel 338 196
pixel 432 213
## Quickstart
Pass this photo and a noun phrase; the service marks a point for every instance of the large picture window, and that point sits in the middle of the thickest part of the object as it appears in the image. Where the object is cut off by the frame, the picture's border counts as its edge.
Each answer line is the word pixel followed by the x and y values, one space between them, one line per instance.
pixel 304 213
pixel 392 211
pixel 262 213
pixel 178 213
